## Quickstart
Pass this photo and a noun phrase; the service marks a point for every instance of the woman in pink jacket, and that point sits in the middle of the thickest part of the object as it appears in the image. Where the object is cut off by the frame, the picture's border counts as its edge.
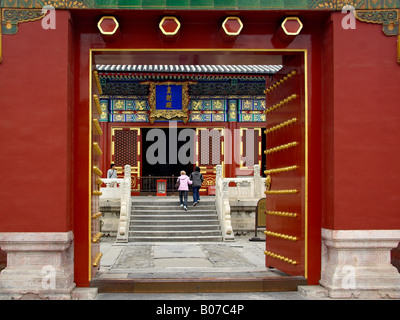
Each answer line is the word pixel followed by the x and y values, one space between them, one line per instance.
pixel 183 189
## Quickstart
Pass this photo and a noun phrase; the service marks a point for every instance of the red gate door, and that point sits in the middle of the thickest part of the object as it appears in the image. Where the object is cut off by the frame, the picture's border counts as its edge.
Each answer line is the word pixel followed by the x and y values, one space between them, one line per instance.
pixel 286 201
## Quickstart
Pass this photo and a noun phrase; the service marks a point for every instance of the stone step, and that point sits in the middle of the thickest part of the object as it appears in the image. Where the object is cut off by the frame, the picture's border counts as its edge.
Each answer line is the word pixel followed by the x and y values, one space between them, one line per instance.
pixel 179 211
pixel 204 283
pixel 171 202
pixel 172 207
pixel 162 219
pixel 174 227
pixel 175 239
pixel 175 233
pixel 214 222
pixel 188 216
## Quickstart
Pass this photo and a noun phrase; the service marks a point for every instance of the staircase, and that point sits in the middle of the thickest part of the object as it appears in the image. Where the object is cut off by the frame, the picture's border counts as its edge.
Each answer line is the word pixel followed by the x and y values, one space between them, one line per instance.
pixel 155 219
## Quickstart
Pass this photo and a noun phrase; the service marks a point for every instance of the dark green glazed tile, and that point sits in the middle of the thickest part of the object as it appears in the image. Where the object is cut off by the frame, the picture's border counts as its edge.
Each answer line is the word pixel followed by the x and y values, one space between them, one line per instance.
pixel 129 3
pixel 106 3
pixel 178 3
pixel 207 4
pixel 248 4
pixel 271 4
pixel 225 4
pixel 154 4
pixel 300 4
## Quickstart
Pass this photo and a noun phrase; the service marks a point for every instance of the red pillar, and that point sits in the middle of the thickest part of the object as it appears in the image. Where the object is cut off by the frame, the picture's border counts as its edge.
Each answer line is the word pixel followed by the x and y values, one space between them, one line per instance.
pixel 360 131
pixel 361 128
pixel 36 128
pixel 36 98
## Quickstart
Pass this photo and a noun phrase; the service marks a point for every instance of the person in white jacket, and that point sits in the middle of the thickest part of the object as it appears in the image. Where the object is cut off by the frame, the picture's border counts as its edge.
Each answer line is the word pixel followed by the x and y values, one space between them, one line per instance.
pixel 112 172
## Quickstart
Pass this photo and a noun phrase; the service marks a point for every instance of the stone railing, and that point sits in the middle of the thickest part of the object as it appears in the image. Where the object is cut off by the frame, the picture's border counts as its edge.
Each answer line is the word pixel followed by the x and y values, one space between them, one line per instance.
pixel 120 189
pixel 249 188
pixel 112 191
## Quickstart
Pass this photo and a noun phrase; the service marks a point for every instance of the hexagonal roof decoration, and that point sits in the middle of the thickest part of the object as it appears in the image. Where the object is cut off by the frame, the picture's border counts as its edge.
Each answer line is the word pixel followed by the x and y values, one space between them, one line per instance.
pixel 108 25
pixel 232 26
pixel 292 26
pixel 169 26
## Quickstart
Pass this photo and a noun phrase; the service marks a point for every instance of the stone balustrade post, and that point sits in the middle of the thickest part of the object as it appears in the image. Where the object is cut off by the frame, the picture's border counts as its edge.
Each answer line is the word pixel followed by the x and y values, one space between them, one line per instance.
pixel 123 225
pixel 40 265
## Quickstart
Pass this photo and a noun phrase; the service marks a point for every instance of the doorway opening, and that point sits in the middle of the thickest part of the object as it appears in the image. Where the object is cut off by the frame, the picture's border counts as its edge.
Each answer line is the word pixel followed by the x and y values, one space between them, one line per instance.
pixel 164 161
pixel 164 157
pixel 294 66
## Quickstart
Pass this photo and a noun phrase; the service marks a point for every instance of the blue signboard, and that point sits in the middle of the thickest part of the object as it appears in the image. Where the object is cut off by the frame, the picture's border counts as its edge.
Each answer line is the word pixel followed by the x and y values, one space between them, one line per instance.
pixel 169 97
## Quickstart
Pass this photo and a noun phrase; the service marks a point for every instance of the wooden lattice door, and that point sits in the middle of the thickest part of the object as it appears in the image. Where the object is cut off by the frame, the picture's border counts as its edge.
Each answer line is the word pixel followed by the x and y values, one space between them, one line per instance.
pixel 126 150
pixel 250 151
pixel 209 153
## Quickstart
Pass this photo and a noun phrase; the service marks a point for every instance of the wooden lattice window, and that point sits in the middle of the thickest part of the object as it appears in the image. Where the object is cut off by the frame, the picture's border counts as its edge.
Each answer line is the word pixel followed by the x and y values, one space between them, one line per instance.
pixel 125 144
pixel 210 147
pixel 250 147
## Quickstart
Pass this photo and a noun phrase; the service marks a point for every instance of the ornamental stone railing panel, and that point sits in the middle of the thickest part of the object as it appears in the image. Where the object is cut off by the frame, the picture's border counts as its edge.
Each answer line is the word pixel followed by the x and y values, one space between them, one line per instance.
pixel 120 189
pixel 247 189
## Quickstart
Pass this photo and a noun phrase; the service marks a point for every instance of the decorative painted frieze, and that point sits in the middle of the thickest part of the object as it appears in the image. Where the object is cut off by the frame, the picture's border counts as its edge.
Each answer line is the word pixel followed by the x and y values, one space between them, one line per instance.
pixel 332 5
pixel 129 105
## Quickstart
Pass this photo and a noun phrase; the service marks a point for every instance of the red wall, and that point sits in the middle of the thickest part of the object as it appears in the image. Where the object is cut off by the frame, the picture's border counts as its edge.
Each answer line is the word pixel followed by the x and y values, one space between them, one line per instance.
pixel 35 135
pixel 360 128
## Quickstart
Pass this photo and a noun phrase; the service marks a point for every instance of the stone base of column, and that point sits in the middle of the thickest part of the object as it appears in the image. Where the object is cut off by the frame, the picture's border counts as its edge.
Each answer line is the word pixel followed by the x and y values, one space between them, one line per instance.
pixel 356 264
pixel 40 265
pixel 84 293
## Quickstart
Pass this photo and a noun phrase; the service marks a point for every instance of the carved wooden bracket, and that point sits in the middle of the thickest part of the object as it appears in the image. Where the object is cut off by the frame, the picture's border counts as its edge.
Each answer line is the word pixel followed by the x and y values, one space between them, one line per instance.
pixel 10 18
pixel 389 19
